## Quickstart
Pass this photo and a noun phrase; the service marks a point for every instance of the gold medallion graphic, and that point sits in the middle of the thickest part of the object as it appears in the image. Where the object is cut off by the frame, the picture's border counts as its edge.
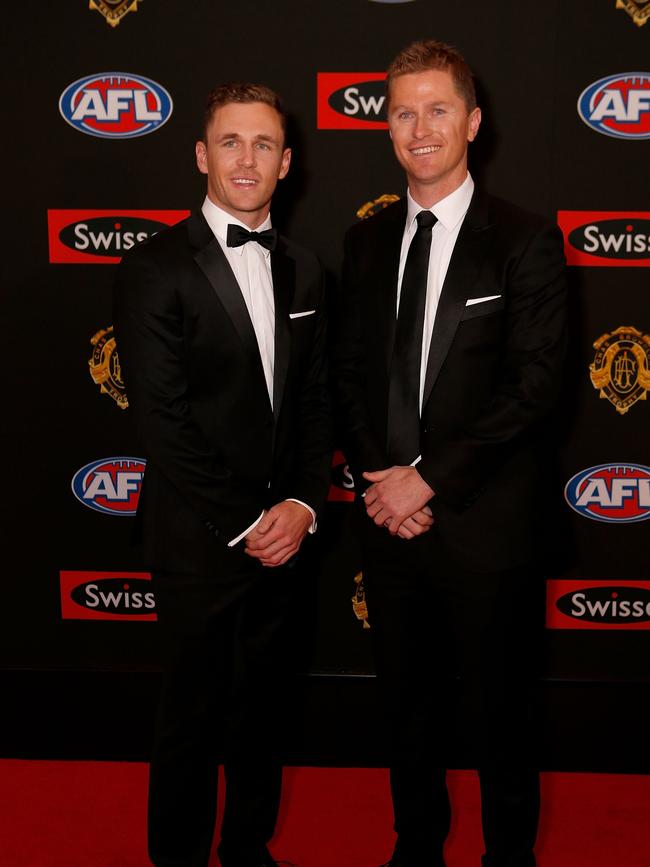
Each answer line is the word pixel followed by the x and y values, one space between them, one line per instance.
pixel 376 205
pixel 105 367
pixel 621 368
pixel 638 10
pixel 114 10
pixel 359 601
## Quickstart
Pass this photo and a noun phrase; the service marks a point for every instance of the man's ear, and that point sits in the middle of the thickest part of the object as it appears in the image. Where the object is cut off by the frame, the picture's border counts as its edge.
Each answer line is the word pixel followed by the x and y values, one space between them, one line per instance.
pixel 285 163
pixel 201 157
pixel 473 123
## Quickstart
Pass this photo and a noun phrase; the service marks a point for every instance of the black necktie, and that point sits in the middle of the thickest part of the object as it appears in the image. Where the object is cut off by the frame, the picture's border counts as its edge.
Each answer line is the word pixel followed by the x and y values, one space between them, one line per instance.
pixel 238 235
pixel 404 389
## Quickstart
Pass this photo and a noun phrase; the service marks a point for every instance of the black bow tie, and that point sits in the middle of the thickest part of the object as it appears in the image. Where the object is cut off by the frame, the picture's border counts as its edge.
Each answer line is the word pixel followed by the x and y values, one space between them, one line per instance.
pixel 238 235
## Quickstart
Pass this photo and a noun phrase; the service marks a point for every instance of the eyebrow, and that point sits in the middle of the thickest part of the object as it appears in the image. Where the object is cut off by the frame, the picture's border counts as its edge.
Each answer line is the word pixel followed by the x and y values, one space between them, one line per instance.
pixel 434 104
pixel 260 137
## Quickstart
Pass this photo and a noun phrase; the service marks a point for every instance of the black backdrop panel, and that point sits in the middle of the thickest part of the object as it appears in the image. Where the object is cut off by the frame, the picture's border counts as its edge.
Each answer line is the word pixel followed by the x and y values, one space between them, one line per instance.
pixel 532 62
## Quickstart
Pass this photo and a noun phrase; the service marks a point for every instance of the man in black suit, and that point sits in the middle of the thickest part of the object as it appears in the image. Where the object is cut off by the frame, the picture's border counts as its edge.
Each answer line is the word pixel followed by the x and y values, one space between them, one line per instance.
pixel 221 331
pixel 448 357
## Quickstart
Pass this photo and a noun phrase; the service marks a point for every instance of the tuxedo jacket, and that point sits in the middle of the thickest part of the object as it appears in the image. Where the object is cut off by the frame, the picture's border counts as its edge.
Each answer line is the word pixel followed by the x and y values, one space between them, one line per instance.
pixel 493 371
pixel 217 451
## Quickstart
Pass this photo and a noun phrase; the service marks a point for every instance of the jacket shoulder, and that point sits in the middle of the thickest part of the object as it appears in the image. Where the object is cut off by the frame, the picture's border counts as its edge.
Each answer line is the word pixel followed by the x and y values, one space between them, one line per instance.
pixel 513 217
pixel 167 244
pixel 391 217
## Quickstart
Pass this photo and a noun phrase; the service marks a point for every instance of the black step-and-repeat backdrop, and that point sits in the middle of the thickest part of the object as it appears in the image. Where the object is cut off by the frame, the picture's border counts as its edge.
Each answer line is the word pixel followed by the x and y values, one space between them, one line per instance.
pixel 103 102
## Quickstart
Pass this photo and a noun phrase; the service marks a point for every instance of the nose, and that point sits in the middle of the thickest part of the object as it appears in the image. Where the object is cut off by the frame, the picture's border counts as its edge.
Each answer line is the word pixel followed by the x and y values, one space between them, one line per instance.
pixel 422 127
pixel 247 156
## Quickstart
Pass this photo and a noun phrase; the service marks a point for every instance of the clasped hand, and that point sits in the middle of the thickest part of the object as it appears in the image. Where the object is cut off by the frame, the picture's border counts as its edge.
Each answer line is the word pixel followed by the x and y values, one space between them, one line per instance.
pixel 397 500
pixel 279 533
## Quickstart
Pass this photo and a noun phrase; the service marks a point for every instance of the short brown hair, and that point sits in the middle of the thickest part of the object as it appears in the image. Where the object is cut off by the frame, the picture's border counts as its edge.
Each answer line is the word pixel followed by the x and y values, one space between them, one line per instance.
pixel 429 54
pixel 237 91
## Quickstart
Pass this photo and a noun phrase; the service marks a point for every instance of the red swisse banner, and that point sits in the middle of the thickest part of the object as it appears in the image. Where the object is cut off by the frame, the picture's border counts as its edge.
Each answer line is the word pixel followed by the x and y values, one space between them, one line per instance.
pixel 92 237
pixel 351 100
pixel 611 239
pixel 341 481
pixel 608 604
pixel 107 596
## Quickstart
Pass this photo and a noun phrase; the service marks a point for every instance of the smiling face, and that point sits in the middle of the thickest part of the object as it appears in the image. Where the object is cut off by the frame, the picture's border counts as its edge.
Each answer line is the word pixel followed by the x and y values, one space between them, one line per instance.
pixel 430 127
pixel 244 157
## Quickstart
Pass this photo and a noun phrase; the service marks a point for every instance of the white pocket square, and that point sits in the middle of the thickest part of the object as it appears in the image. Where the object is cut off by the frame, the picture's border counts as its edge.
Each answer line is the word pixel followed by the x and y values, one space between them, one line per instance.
pixel 300 315
pixel 471 301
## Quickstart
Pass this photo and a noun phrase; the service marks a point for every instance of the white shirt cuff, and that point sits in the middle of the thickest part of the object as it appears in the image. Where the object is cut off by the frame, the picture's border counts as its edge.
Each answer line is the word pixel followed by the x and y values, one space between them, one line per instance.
pixel 246 532
pixel 312 529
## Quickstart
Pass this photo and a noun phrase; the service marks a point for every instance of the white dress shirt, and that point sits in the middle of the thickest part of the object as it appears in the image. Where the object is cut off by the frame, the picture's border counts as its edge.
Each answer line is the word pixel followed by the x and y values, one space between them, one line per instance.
pixel 251 265
pixel 450 213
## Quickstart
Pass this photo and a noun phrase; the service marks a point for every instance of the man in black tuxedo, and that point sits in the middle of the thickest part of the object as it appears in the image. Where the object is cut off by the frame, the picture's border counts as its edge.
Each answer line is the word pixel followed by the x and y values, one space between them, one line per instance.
pixel 448 357
pixel 220 325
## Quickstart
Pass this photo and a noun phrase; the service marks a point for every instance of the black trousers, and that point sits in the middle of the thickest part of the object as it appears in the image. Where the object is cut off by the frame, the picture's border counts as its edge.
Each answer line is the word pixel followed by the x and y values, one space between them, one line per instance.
pixel 433 621
pixel 225 643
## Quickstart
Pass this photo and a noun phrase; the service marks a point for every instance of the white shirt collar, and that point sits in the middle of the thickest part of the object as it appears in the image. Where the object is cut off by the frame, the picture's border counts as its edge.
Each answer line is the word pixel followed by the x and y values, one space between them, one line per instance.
pixel 449 211
pixel 218 220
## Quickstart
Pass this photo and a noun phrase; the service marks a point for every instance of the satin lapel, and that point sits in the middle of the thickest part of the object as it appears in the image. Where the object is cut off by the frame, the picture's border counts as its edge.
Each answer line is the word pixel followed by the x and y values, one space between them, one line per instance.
pixel 386 256
pixel 284 284
pixel 464 268
pixel 215 266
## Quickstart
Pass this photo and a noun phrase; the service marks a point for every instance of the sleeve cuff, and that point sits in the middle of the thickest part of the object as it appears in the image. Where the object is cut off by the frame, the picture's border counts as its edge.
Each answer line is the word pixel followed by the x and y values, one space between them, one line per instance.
pixel 241 536
pixel 314 523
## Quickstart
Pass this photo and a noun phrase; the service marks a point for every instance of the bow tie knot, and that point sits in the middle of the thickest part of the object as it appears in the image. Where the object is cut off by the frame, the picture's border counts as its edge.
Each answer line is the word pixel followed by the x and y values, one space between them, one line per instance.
pixel 238 235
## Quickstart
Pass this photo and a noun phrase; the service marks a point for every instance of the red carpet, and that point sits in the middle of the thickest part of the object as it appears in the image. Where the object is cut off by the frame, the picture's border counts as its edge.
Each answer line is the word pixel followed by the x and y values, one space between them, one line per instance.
pixel 78 814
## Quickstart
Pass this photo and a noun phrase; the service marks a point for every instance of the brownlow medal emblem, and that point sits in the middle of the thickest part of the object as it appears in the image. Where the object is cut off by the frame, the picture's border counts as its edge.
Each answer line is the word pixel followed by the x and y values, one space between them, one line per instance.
pixel 376 205
pixel 114 10
pixel 105 367
pixel 621 368
pixel 638 10
pixel 359 601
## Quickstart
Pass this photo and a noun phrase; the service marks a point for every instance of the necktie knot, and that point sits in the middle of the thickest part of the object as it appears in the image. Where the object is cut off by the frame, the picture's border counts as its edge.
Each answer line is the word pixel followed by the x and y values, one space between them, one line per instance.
pixel 426 219
pixel 238 235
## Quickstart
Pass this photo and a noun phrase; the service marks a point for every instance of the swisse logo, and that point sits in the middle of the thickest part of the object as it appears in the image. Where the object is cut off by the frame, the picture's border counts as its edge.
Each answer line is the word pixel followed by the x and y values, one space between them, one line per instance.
pixel 110 485
pixel 115 105
pixel 100 237
pixel 606 238
pixel 341 481
pixel 616 493
pixel 352 100
pixel 618 105
pixel 107 596
pixel 598 604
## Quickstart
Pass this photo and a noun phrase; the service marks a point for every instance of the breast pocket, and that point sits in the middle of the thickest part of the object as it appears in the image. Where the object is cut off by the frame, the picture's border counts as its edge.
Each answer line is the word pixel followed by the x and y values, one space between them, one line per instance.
pixel 302 325
pixel 482 307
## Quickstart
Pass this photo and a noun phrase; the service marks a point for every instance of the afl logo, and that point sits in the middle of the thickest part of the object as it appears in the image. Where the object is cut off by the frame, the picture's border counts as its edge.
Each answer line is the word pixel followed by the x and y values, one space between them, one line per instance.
pixel 110 485
pixel 618 105
pixel 616 493
pixel 115 105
